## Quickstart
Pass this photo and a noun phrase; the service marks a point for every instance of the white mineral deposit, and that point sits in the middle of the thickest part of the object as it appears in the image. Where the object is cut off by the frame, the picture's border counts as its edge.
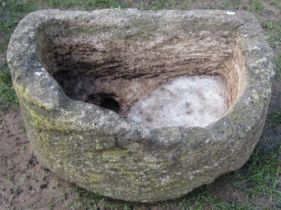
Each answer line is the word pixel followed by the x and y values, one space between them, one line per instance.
pixel 188 101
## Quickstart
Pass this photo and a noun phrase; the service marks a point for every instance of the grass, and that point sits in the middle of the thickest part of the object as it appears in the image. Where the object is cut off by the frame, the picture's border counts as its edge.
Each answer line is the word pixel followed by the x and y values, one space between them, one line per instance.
pixel 277 4
pixel 11 11
pixel 8 97
pixel 275 118
pixel 231 4
pixel 83 4
pixel 157 5
pixel 278 63
pixel 162 4
pixel 273 29
pixel 258 178
pixel 261 172
pixel 255 6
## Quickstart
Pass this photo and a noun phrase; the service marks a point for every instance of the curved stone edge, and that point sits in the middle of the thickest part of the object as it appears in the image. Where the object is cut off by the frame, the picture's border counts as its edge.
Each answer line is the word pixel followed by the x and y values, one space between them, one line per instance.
pixel 40 107
pixel 55 100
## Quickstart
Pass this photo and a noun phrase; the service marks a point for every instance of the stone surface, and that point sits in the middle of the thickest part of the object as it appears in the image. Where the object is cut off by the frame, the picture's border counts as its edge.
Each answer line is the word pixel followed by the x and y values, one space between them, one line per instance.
pixel 110 58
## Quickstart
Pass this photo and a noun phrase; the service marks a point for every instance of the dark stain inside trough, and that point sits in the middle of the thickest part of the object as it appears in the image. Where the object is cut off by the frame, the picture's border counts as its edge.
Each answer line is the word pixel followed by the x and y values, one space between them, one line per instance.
pixel 104 100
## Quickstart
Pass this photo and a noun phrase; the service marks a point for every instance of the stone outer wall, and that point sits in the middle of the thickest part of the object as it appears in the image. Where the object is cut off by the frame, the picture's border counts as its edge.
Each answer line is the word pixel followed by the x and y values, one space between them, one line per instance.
pixel 102 152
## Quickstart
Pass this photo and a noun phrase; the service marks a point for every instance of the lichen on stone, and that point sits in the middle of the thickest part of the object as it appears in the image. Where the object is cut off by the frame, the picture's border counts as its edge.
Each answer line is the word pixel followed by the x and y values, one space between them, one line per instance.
pixel 78 75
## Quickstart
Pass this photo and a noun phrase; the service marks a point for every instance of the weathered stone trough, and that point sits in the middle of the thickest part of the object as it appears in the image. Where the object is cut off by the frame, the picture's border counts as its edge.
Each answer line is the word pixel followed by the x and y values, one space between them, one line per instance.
pixel 95 89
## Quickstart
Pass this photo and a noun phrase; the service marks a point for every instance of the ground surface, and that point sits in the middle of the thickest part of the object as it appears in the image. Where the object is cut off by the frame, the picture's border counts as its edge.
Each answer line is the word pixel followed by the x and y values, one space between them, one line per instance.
pixel 24 184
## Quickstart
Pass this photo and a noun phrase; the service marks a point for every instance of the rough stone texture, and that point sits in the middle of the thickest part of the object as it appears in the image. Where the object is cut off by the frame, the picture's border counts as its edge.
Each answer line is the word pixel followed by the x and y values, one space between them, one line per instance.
pixel 58 59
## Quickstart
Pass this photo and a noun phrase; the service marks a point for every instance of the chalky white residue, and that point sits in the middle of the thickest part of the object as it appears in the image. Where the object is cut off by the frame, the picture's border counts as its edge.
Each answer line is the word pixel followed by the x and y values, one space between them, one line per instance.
pixel 187 101
pixel 230 13
pixel 38 73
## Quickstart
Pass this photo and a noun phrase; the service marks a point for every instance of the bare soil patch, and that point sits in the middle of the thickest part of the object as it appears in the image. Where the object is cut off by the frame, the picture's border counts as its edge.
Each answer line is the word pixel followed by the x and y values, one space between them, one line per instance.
pixel 24 184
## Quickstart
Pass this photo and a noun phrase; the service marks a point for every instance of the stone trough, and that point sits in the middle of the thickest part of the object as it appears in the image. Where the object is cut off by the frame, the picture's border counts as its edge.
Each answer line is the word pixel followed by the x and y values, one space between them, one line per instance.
pixel 141 105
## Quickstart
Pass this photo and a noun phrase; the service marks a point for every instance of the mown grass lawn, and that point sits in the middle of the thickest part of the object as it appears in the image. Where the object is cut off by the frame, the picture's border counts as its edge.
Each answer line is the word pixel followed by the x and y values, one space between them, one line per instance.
pixel 257 184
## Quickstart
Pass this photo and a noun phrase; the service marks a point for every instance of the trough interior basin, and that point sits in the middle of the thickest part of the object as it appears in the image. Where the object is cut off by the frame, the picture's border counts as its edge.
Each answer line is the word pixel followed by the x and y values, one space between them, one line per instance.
pixel 163 79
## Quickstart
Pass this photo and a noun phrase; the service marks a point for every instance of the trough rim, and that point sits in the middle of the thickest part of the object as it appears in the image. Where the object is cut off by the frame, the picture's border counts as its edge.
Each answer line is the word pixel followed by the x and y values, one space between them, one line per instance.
pixel 48 96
